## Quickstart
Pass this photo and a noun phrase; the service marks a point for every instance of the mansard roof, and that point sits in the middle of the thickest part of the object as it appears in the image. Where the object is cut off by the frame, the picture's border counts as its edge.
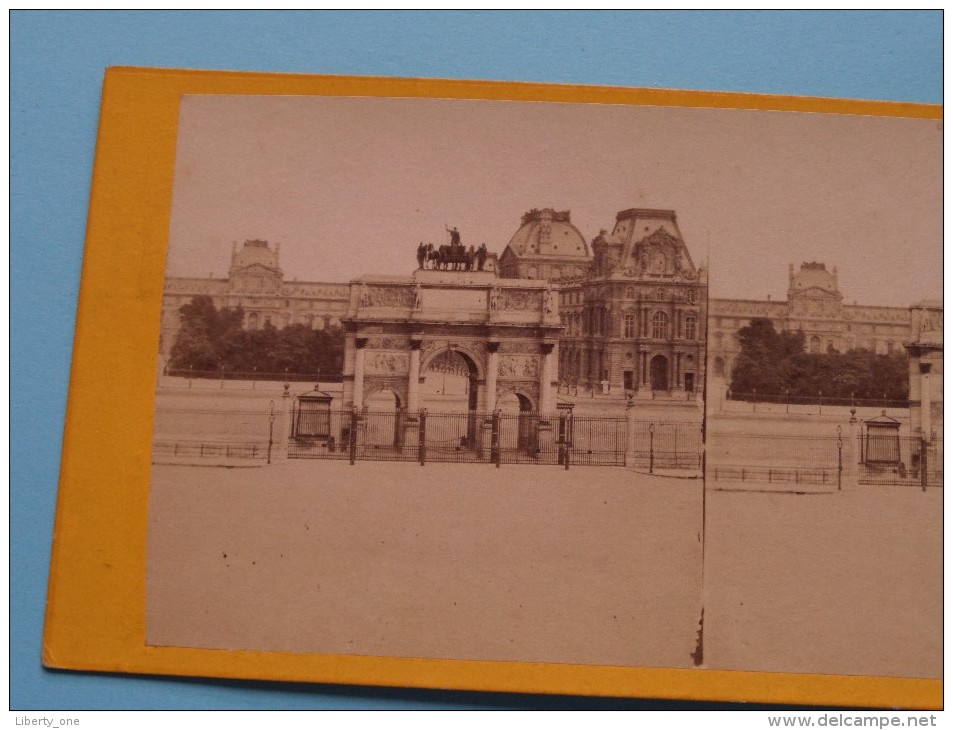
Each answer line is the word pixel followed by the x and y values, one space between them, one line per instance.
pixel 648 243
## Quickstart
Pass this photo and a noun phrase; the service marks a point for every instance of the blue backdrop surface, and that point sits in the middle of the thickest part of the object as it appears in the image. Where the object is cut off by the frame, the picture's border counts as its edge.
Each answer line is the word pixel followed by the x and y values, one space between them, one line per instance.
pixel 57 64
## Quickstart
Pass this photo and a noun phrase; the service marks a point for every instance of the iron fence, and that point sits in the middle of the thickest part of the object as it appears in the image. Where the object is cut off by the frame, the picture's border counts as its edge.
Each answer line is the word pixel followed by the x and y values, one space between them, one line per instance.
pixel 225 374
pixel 598 441
pixel 494 438
pixel 667 446
pixel 776 459
pixel 818 400
pixel 232 434
pixel 319 435
pixel 566 440
pixel 899 460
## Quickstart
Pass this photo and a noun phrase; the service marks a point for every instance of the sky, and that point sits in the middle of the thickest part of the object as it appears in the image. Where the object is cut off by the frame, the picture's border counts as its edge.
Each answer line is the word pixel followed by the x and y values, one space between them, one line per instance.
pixel 350 185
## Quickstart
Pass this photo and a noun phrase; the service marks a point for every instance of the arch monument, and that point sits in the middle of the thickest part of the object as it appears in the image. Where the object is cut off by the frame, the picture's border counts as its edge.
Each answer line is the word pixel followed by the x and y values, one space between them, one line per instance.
pixel 499 336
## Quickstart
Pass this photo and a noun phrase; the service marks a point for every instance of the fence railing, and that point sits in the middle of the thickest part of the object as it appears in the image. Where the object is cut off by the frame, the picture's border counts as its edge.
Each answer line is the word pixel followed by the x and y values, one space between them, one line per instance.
pixel 215 434
pixel 495 438
pixel 226 374
pixel 899 460
pixel 777 459
pixel 818 400
pixel 498 438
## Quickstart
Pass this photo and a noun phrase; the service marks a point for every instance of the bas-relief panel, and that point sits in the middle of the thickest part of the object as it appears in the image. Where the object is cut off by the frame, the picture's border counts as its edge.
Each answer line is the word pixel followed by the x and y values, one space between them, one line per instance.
pixel 388 343
pixel 519 346
pixel 816 308
pixel 386 363
pixel 386 296
pixel 519 299
pixel 518 367
pixel 878 314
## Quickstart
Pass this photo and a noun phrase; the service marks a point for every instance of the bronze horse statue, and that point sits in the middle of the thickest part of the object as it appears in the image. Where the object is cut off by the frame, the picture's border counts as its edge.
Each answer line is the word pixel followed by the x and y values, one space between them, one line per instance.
pixel 453 256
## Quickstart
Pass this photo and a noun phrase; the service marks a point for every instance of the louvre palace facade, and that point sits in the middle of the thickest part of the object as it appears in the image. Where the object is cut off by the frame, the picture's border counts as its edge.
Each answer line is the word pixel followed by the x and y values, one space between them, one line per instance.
pixel 633 303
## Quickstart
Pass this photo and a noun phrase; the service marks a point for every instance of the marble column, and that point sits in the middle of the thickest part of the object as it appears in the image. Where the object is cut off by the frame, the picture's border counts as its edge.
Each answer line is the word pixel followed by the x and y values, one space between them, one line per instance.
pixel 492 368
pixel 359 344
pixel 546 379
pixel 413 377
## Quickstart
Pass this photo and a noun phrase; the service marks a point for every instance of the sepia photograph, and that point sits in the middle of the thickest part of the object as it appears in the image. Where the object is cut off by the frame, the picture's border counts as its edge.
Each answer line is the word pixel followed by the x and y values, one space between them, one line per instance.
pixel 562 383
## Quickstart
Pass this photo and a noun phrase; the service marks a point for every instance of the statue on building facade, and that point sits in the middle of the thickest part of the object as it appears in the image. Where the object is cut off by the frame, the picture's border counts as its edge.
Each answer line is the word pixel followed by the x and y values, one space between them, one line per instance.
pixel 481 255
pixel 494 298
pixel 454 236
pixel 451 257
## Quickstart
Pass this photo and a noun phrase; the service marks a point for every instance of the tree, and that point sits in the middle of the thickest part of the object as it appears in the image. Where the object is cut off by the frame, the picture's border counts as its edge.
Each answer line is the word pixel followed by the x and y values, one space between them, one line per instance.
pixel 762 362
pixel 772 364
pixel 210 339
pixel 202 334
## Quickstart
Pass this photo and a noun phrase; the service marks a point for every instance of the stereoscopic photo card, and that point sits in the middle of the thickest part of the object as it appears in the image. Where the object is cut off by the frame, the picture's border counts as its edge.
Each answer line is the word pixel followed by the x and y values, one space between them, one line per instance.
pixel 507 387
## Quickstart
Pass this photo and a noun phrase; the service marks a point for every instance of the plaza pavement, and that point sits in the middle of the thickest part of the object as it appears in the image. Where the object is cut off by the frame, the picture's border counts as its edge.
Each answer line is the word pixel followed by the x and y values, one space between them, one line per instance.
pixel 846 582
pixel 523 563
pixel 528 563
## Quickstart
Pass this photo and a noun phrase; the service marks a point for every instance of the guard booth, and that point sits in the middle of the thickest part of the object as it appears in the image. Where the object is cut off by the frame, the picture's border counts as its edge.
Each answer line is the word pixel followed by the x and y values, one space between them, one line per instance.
pixel 881 441
pixel 311 417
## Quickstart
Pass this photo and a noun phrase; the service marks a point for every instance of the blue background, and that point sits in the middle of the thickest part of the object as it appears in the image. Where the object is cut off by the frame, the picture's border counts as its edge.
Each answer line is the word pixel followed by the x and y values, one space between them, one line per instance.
pixel 57 64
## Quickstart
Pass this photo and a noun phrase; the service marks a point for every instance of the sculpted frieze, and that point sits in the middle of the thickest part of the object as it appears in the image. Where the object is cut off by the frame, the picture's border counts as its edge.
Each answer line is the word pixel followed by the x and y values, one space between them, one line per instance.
pixel 519 299
pixel 395 343
pixel 518 346
pixel 386 296
pixel 387 363
pixel 518 366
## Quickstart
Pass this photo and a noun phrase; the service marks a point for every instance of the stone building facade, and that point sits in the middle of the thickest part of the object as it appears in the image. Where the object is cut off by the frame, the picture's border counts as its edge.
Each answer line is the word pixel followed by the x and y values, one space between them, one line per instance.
pixel 633 305
pixel 257 284
pixel 814 305
pixel 634 315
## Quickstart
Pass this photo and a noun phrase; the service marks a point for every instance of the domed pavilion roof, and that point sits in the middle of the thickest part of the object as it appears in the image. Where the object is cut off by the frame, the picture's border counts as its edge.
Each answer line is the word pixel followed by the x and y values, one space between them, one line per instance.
pixel 815 278
pixel 550 233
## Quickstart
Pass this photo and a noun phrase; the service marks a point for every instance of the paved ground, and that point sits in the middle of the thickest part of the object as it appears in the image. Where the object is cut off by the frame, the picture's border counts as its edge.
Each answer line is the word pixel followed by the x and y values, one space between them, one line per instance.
pixel 837 583
pixel 528 563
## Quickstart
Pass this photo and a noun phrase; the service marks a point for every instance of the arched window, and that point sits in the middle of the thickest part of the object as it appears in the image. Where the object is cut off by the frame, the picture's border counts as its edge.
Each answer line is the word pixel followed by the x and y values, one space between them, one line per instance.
pixel 815 344
pixel 690 328
pixel 253 321
pixel 660 325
